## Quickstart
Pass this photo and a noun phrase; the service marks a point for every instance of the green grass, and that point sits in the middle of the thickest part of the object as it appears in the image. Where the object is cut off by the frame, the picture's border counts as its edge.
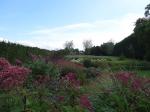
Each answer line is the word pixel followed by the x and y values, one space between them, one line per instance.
pixel 112 64
pixel 91 57
pixel 143 73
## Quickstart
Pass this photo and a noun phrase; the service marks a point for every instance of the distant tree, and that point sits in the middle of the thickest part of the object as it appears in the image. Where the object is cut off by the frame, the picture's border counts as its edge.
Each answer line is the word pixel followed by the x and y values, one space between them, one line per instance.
pixel 107 48
pixel 69 46
pixel 87 44
pixel 97 51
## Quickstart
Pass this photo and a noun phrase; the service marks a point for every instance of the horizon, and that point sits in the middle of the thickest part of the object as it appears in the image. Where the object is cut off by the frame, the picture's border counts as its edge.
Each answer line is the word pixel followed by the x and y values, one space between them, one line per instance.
pixel 49 24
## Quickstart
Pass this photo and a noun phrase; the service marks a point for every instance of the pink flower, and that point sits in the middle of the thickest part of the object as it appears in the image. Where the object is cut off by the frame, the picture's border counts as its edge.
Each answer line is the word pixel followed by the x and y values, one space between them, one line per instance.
pixel 18 62
pixel 133 82
pixel 124 77
pixel 72 79
pixel 4 63
pixel 71 76
pixel 64 63
pixel 85 103
pixel 42 80
pixel 137 84
pixel 12 76
pixel 33 57
pixel 61 98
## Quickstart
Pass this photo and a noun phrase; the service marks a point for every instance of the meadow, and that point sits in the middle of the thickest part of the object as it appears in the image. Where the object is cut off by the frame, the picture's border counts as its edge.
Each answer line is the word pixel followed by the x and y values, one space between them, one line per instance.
pixel 113 64
pixel 75 83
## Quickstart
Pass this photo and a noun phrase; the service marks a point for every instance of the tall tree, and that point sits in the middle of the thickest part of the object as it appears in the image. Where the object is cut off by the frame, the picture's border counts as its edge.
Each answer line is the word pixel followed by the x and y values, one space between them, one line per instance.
pixel 69 45
pixel 147 10
pixel 87 44
pixel 107 48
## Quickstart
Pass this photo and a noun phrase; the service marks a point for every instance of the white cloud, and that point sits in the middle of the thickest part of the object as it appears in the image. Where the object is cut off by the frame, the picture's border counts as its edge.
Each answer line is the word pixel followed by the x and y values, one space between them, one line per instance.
pixel 98 31
pixel 3 39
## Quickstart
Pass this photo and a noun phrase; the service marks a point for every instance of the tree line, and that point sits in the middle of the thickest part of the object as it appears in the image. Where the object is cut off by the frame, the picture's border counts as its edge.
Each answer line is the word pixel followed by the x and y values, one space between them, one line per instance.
pixel 137 45
pixel 13 51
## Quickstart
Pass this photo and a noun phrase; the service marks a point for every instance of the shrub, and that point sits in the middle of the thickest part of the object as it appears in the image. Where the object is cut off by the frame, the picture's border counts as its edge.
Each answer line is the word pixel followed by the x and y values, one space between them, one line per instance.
pixel 41 68
pixel 128 93
pixel 11 76
pixel 92 72
pixel 122 57
pixel 87 63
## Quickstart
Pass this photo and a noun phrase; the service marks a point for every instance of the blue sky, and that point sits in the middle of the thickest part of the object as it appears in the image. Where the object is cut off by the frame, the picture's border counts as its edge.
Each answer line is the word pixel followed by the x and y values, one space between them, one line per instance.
pixel 49 23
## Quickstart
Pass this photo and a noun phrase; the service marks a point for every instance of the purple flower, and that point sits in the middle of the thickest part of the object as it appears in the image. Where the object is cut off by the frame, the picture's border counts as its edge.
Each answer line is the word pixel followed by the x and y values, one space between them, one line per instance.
pixel 72 79
pixel 137 84
pixel 124 77
pixel 11 76
pixel 18 62
pixel 85 103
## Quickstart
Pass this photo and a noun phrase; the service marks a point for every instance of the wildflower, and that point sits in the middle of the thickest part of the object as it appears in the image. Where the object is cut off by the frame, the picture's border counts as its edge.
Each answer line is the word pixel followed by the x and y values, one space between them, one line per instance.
pixel 72 79
pixel 4 63
pixel 11 76
pixel 42 80
pixel 61 98
pixel 85 103
pixel 18 62
pixel 124 77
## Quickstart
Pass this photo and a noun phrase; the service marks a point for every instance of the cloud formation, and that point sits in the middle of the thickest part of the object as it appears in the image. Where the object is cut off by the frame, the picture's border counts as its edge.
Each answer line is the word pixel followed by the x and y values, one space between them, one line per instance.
pixel 97 31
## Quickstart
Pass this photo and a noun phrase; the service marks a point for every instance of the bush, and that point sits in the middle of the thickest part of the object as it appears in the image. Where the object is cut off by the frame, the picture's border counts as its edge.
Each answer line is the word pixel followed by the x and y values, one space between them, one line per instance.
pixel 128 93
pixel 87 63
pixel 41 68
pixel 92 72
pixel 122 57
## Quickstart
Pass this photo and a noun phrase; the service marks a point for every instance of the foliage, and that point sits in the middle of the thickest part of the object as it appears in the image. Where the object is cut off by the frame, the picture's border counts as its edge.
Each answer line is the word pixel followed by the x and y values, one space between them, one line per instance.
pixel 12 51
pixel 105 49
pixel 127 93
pixel 87 63
pixel 41 68
pixel 137 44
pixel 11 76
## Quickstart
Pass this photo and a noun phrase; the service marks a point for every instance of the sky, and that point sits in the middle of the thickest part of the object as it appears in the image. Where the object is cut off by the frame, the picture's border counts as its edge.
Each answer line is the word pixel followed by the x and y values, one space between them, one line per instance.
pixel 49 24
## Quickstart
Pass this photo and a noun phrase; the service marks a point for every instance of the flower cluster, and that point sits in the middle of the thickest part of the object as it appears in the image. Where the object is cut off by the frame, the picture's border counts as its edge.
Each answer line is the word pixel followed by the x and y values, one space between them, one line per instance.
pixel 4 64
pixel 65 63
pixel 124 77
pixel 85 103
pixel 60 98
pixel 133 81
pixel 18 62
pixel 72 79
pixel 41 80
pixel 11 76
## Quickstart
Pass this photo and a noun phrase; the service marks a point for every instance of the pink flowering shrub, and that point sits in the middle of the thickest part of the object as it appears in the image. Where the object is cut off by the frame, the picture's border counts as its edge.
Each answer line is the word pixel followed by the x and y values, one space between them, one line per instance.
pixel 71 78
pixel 85 102
pixel 132 81
pixel 4 64
pixel 18 62
pixel 62 62
pixel 67 66
pixel 11 76
pixel 41 80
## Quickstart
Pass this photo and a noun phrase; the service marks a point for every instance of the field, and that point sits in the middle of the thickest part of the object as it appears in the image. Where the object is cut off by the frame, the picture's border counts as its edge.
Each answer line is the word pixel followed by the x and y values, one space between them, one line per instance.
pixel 75 83
pixel 114 64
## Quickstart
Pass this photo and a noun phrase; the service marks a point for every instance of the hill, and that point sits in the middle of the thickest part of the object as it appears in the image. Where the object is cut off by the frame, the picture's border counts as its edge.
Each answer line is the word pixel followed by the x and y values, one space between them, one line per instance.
pixel 13 51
